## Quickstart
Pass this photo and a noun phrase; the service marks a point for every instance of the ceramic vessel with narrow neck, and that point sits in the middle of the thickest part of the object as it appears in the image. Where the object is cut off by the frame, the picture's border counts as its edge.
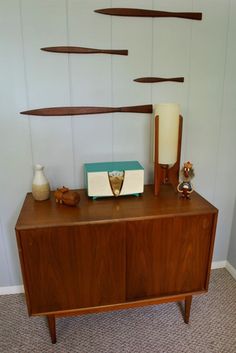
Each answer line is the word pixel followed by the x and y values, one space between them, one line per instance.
pixel 40 185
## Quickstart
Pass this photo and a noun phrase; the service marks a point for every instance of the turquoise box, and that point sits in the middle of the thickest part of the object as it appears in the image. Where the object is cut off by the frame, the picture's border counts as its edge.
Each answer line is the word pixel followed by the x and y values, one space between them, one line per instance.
pixel 114 178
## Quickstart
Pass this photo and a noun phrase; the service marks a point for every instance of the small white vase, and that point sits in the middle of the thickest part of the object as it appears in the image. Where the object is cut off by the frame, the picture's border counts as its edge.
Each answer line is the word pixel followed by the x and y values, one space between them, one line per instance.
pixel 40 185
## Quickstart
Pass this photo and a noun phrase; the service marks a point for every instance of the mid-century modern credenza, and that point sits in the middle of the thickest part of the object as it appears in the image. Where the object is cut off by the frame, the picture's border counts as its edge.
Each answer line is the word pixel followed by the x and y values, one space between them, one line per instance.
pixel 114 253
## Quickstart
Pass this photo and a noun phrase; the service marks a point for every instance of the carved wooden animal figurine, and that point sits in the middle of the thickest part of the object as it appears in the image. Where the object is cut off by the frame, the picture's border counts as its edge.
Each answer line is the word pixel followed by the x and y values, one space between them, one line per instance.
pixel 67 197
pixel 185 187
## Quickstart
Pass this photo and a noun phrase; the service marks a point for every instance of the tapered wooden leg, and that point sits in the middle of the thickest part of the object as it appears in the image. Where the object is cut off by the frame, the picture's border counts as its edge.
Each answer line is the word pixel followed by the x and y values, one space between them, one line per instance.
pixel 52 327
pixel 188 302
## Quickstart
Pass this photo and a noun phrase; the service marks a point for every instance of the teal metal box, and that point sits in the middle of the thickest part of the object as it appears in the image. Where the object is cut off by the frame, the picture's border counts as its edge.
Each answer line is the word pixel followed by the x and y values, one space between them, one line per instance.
pixel 114 178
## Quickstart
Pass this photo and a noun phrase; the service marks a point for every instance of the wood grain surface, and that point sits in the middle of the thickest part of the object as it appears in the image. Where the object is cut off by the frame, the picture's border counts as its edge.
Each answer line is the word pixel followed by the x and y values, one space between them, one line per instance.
pixel 149 13
pixel 69 111
pixel 168 203
pixel 82 50
pixel 74 267
pixel 167 256
pixel 158 79
pixel 114 253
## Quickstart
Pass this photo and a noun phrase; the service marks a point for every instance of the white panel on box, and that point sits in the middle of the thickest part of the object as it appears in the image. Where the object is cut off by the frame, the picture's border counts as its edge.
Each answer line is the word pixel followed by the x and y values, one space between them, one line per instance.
pixel 114 178
pixel 133 182
pixel 99 185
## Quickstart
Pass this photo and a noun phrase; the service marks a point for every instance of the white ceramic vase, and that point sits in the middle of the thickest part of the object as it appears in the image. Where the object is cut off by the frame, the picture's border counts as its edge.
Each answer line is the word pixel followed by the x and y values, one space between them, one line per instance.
pixel 40 185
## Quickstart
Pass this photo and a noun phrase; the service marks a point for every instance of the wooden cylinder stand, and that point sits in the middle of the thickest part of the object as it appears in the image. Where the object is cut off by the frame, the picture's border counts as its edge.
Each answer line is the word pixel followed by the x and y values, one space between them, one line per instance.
pixel 162 173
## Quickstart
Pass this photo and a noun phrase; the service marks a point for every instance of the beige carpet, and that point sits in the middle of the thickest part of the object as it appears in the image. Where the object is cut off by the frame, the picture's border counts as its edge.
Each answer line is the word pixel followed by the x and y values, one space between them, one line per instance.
pixel 155 329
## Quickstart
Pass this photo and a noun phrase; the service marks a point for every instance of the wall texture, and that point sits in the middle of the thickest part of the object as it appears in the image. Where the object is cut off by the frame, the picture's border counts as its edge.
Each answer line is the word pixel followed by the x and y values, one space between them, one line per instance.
pixel 203 52
pixel 232 247
pixel 227 146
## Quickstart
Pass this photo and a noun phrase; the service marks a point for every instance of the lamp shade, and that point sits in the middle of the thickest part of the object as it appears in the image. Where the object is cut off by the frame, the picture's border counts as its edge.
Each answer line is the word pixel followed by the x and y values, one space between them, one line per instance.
pixel 168 131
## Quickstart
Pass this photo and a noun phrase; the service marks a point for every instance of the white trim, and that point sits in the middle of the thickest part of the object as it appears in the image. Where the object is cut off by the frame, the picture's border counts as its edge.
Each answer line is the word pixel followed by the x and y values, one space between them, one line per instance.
pixel 11 290
pixel 218 264
pixel 231 269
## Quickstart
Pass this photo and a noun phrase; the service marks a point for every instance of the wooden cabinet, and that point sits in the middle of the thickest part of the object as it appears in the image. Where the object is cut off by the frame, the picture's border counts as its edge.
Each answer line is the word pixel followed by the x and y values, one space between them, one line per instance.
pixel 114 253
pixel 167 256
pixel 74 267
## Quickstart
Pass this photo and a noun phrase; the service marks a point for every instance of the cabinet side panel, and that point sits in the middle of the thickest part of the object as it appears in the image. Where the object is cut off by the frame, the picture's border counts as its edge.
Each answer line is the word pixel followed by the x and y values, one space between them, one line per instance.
pixel 23 271
pixel 167 256
pixel 211 249
pixel 74 267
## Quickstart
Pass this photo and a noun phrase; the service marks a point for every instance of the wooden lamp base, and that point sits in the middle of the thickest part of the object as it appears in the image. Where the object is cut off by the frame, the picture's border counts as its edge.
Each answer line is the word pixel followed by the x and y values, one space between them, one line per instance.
pixel 162 173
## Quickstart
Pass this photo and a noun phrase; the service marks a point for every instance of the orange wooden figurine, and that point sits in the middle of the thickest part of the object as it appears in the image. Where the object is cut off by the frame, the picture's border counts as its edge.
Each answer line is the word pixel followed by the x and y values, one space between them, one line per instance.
pixel 67 197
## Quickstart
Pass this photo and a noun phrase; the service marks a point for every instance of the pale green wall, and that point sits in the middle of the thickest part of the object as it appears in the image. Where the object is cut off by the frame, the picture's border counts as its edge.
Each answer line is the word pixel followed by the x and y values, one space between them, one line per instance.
pixel 232 246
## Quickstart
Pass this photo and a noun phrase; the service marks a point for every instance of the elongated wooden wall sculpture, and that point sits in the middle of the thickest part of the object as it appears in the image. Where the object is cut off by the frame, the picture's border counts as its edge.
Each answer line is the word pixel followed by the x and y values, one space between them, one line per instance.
pixel 64 111
pixel 82 50
pixel 149 13
pixel 158 79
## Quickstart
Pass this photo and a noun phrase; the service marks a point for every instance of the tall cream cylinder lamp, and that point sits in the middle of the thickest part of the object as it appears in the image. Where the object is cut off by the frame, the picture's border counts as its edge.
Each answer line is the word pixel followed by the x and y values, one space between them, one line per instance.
pixel 167 146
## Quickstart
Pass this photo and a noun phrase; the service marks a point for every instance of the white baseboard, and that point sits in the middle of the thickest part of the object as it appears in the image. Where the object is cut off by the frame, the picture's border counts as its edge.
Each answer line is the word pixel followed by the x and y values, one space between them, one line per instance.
pixel 218 264
pixel 224 264
pixel 11 290
pixel 231 269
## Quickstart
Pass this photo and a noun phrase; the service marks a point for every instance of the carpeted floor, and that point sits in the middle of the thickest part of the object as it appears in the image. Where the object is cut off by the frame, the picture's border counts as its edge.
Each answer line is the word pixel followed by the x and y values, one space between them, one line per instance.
pixel 155 329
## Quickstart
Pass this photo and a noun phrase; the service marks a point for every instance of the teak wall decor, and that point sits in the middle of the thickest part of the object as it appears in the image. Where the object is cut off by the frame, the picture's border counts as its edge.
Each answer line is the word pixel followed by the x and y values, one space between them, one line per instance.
pixel 158 79
pixel 63 111
pixel 82 50
pixel 149 13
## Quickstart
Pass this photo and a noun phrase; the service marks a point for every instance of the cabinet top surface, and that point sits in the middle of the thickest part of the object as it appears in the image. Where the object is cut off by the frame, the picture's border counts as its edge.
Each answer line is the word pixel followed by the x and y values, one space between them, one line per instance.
pixel 37 214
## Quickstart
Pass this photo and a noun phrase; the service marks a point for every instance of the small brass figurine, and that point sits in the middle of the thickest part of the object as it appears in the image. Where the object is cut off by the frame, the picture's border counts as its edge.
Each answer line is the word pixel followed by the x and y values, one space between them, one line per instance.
pixel 67 197
pixel 185 187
